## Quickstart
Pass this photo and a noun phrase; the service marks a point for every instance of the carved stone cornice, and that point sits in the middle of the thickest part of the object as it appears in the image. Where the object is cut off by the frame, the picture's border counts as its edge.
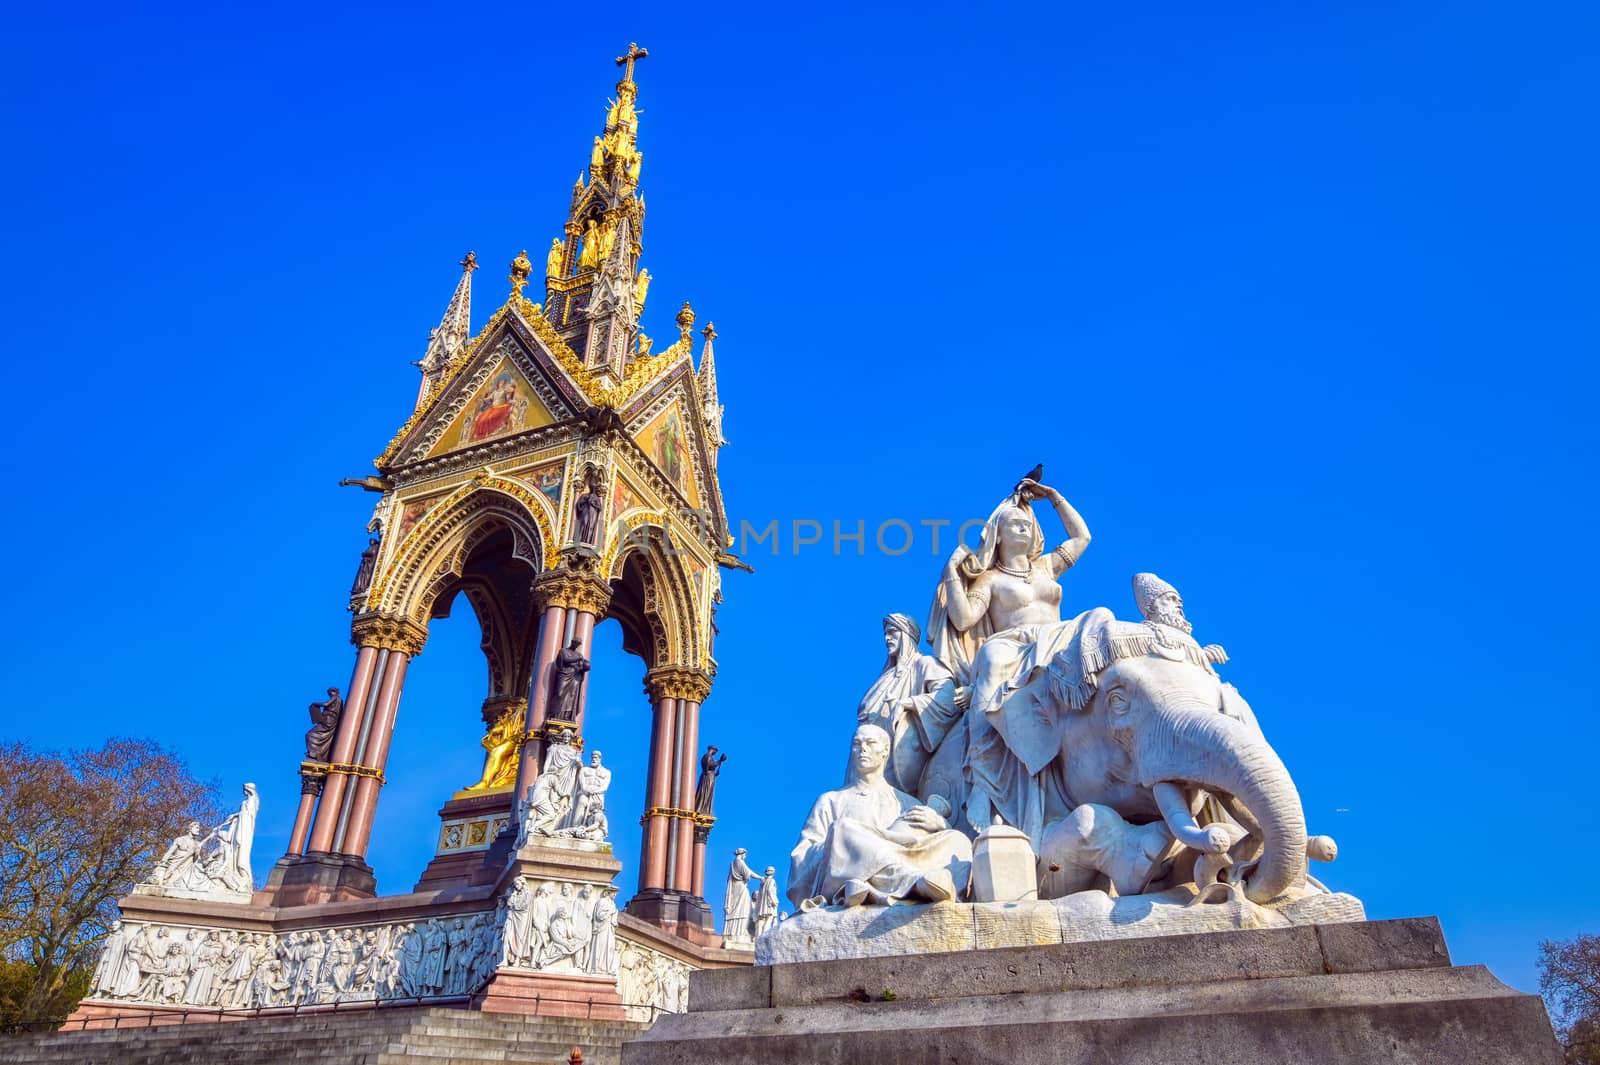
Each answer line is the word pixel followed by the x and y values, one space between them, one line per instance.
pixel 678 682
pixel 576 584
pixel 387 631
pixel 497 706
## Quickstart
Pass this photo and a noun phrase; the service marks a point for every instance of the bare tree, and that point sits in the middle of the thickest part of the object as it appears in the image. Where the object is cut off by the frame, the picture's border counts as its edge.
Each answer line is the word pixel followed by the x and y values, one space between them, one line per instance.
pixel 1569 978
pixel 76 831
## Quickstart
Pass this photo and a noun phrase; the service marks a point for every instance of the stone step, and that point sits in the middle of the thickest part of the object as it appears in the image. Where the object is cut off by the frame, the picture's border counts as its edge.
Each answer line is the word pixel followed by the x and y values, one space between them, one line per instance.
pixel 432 1035
pixel 1370 993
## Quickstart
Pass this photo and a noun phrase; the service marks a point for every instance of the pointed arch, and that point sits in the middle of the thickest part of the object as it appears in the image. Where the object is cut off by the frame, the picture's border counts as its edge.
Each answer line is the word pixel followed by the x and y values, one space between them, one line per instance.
pixel 434 553
pixel 653 587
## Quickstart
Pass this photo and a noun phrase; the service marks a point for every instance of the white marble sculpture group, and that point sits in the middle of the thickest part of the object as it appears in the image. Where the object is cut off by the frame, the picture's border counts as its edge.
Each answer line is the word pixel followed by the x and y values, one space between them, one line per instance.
pixel 747 917
pixel 1108 754
pixel 568 800
pixel 215 865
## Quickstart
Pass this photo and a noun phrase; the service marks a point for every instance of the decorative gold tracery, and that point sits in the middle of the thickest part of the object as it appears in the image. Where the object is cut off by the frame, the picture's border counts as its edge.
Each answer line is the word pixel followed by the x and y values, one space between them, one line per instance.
pixel 435 551
pixel 669 602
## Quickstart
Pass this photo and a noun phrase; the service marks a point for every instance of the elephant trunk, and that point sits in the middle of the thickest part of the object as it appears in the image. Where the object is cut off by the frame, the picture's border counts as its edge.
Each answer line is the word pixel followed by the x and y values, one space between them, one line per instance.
pixel 1205 749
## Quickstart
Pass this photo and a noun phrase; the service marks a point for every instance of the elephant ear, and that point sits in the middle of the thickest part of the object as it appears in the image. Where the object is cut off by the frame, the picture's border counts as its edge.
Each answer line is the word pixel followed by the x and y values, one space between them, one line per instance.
pixel 1031 718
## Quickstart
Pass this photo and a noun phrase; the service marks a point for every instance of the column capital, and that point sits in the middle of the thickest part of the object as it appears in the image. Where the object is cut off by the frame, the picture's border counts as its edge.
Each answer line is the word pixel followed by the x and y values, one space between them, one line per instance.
pixel 575 584
pixel 312 777
pixel 390 632
pixel 678 682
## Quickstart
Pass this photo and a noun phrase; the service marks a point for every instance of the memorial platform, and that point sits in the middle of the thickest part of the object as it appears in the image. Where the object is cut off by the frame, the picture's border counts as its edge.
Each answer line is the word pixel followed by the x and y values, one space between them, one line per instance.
pixel 1367 992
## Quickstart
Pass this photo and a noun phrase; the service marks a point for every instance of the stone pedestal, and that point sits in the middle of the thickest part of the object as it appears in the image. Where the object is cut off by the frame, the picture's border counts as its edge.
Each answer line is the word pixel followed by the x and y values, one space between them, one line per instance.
pixel 474 840
pixel 553 995
pixel 679 912
pixel 1357 993
pixel 316 877
pixel 1003 866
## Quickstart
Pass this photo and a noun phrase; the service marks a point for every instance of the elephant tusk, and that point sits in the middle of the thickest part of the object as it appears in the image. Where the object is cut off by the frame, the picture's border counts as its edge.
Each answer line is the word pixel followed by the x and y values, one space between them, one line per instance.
pixel 1217 892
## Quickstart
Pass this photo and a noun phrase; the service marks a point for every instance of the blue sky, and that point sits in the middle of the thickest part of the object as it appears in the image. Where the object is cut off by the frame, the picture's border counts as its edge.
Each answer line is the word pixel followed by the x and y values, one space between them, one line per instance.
pixel 1294 302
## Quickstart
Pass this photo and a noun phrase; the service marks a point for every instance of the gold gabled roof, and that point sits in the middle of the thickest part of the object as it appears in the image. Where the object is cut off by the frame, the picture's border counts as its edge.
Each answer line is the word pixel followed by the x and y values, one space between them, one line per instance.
pixel 640 373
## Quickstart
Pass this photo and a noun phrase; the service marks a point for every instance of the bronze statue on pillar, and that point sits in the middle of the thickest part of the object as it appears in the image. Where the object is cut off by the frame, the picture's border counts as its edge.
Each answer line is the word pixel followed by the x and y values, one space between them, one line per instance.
pixel 324 722
pixel 705 789
pixel 570 667
pixel 588 508
pixel 364 571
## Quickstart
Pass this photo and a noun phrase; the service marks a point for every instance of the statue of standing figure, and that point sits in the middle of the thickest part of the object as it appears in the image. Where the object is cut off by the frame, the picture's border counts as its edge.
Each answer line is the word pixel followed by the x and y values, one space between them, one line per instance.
pixel 705 789
pixel 369 562
pixel 767 903
pixel 570 668
pixel 588 510
pixel 231 865
pixel 736 904
pixel 587 819
pixel 324 722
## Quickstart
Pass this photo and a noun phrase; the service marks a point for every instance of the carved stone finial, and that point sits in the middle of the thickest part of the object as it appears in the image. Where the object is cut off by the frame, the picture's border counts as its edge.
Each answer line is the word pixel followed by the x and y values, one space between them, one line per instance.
pixel 521 267
pixel 686 319
pixel 710 331
pixel 470 263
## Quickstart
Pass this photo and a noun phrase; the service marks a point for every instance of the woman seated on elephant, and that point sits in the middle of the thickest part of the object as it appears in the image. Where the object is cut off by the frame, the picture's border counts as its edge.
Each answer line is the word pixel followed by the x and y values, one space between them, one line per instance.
pixel 997 616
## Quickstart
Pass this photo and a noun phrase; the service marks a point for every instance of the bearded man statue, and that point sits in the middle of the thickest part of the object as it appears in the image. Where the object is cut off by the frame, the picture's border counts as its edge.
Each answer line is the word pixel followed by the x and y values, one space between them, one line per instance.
pixel 913 700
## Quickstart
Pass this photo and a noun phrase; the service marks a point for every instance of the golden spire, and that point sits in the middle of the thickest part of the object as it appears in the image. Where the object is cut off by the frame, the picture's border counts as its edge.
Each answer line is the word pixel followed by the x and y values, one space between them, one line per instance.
pixel 605 219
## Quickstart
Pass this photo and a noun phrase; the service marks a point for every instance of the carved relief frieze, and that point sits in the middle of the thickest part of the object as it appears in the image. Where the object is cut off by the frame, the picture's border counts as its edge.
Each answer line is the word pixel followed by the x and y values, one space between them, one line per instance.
pixel 167 964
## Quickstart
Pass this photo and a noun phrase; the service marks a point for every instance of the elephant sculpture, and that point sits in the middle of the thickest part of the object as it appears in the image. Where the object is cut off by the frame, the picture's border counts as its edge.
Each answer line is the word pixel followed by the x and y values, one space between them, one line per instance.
pixel 1129 723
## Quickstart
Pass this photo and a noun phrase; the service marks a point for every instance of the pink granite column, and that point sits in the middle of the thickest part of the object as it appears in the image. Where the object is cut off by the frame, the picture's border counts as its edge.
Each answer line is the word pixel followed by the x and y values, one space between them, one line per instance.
pixel 310 788
pixel 583 632
pixel 357 829
pixel 701 834
pixel 683 877
pixel 344 745
pixel 653 850
pixel 551 628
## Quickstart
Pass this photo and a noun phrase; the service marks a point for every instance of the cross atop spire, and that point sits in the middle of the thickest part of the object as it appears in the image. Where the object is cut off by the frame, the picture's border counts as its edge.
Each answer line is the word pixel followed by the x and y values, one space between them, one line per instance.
pixel 634 52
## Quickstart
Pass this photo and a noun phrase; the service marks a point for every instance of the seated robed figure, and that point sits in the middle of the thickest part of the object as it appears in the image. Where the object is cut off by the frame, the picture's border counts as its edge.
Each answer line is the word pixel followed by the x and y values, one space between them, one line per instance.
pixel 870 843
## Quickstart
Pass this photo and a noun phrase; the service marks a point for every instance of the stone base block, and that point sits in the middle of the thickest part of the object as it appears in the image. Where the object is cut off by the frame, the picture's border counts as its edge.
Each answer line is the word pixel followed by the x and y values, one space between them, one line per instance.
pixel 315 877
pixel 834 932
pixel 684 915
pixel 552 995
pixel 1355 994
pixel 474 840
